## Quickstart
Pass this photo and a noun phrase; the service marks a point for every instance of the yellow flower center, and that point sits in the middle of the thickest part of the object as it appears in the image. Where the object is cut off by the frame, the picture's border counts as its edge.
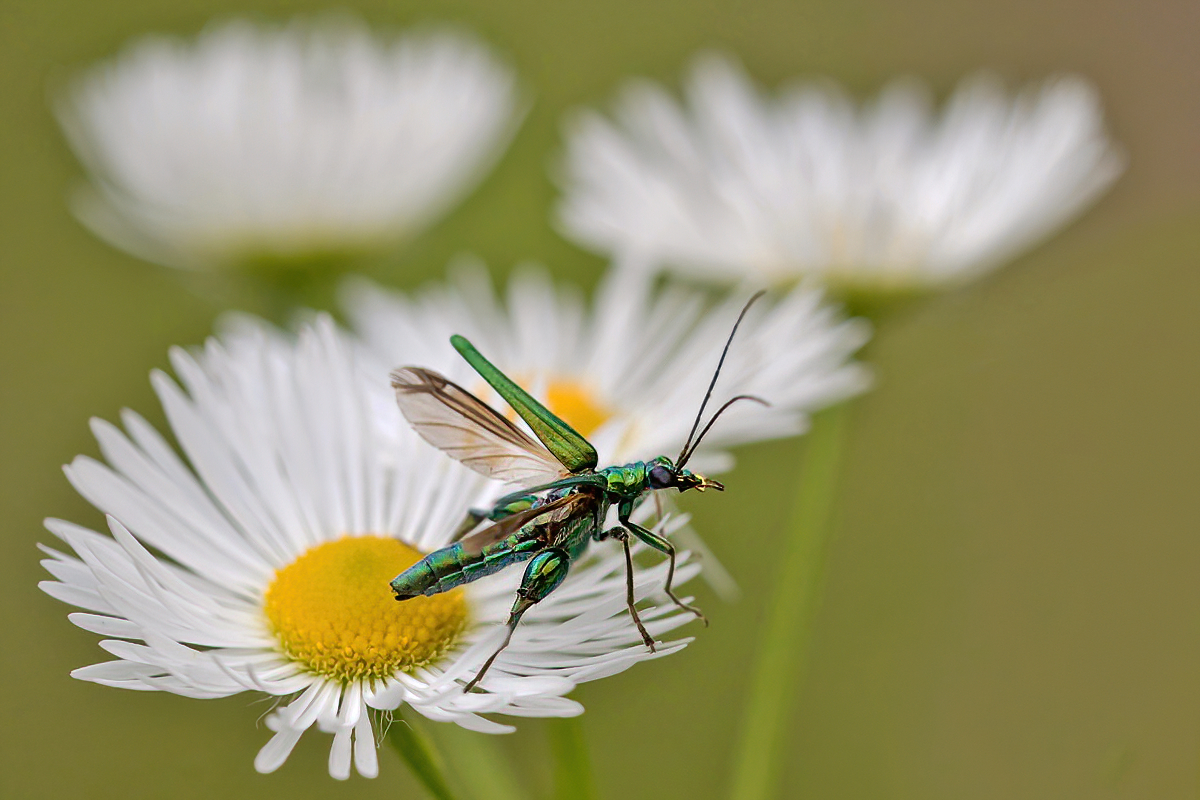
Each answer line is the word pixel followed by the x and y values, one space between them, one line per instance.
pixel 571 400
pixel 334 612
pixel 576 405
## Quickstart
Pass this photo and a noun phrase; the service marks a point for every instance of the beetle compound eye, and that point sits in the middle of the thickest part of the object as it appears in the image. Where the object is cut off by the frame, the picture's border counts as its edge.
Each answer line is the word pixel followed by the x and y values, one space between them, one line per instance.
pixel 661 477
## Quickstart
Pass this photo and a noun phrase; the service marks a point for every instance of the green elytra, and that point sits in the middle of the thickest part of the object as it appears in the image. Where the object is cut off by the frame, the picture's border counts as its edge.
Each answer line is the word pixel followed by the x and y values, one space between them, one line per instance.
pixel 550 523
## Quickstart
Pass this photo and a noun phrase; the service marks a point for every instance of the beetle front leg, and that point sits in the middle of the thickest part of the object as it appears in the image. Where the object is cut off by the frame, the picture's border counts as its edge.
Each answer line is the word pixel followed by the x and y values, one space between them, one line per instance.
pixel 664 546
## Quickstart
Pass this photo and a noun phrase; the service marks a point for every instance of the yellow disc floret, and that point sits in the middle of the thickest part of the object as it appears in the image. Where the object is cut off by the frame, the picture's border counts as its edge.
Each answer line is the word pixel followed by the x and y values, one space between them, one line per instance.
pixel 577 405
pixel 334 612
pixel 572 401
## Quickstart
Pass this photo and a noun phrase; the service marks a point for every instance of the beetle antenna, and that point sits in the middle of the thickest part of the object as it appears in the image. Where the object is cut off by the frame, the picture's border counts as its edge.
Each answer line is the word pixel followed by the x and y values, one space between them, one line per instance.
pixel 721 410
pixel 688 444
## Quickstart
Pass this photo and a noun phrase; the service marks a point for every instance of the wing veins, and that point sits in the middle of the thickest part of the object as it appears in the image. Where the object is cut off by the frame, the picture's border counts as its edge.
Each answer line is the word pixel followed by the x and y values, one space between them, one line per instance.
pixel 460 424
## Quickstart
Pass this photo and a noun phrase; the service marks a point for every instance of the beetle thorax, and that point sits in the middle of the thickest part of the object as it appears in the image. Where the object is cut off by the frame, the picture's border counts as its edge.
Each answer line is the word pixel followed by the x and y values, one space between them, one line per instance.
pixel 627 480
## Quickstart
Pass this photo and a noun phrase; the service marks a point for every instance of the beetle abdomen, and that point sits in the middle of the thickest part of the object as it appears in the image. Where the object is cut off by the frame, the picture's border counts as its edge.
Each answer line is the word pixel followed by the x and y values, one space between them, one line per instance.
pixel 451 567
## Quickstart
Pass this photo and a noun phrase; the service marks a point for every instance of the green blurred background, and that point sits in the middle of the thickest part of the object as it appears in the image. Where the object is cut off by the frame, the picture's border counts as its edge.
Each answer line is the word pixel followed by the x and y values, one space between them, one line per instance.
pixel 1013 608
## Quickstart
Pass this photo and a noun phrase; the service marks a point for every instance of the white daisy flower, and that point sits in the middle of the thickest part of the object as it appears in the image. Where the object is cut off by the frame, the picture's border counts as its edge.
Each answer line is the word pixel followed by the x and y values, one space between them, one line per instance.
pixel 630 372
pixel 278 142
pixel 262 562
pixel 733 185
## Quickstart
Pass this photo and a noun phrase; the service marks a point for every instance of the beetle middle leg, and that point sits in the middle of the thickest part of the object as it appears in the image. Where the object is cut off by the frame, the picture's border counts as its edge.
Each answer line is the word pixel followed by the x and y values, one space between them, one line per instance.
pixel 505 507
pixel 622 536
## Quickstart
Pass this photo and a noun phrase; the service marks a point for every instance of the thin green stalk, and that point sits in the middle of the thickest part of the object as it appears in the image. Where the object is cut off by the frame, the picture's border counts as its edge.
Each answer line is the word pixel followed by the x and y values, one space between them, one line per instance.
pixel 783 652
pixel 573 779
pixel 480 765
pixel 422 757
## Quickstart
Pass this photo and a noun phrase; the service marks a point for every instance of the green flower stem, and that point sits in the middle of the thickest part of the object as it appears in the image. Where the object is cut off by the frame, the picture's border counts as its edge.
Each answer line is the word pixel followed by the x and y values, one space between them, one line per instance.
pixel 276 288
pixel 573 779
pixel 480 765
pixel 409 739
pixel 783 653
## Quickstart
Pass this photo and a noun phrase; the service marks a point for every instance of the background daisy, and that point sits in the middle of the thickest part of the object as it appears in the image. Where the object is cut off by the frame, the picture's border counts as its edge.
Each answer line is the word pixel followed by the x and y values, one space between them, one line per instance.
pixel 732 184
pixel 254 142
pixel 630 369
pixel 261 563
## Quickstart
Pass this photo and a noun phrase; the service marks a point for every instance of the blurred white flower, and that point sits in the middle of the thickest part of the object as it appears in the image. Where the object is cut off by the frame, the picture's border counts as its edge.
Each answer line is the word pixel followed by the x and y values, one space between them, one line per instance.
pixel 630 372
pixel 733 185
pixel 262 563
pixel 316 137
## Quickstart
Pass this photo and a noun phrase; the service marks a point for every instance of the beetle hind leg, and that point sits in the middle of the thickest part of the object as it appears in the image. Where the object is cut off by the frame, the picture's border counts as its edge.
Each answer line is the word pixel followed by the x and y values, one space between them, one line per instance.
pixel 512 626
pixel 546 570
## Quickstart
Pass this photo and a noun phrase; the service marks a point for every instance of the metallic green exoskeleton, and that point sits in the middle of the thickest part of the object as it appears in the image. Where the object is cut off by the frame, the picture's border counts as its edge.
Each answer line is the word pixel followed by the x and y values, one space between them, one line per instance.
pixel 550 523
